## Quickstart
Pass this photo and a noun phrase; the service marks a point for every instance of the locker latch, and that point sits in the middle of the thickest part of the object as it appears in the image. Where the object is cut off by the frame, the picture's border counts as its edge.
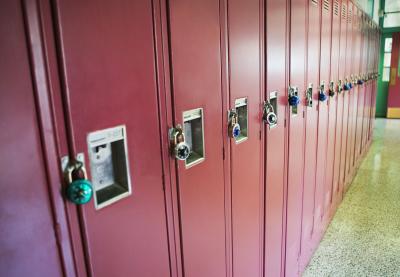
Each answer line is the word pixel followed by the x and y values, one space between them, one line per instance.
pixel 179 147
pixel 233 124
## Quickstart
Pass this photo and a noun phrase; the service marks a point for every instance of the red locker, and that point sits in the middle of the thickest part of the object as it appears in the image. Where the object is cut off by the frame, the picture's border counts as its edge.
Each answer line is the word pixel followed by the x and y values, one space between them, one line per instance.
pixel 311 131
pixel 34 240
pixel 107 49
pixel 297 75
pixel 275 148
pixel 348 98
pixel 195 29
pixel 246 174
pixel 350 53
pixel 333 125
pixel 324 72
pixel 357 52
pixel 360 88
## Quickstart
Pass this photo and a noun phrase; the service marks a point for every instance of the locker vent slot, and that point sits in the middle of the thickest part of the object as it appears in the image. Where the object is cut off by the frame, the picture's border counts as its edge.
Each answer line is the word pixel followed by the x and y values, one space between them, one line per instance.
pixel 336 8
pixel 344 11
pixel 314 2
pixel 349 16
pixel 326 5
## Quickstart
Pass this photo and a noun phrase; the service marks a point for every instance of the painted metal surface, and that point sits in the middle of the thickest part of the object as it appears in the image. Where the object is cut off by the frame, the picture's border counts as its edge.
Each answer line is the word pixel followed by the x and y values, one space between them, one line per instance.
pixel 311 130
pixel 275 163
pixel 246 171
pixel 346 59
pixel 194 29
pixel 297 75
pixel 324 73
pixel 28 242
pixel 334 102
pixel 350 38
pixel 106 51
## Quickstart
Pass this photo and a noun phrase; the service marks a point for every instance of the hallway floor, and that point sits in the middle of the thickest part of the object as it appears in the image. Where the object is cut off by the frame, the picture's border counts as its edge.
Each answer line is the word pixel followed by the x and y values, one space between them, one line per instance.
pixel 363 238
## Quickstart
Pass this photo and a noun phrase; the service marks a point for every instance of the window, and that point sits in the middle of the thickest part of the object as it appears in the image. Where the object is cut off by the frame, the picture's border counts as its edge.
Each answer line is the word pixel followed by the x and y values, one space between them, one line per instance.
pixel 386 60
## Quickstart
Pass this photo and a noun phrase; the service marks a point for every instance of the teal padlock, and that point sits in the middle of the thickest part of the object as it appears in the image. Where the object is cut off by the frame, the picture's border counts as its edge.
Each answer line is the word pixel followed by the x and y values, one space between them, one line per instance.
pixel 79 191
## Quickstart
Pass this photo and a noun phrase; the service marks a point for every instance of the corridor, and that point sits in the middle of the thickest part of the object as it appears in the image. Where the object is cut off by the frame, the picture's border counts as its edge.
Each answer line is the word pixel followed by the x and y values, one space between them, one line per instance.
pixel 363 238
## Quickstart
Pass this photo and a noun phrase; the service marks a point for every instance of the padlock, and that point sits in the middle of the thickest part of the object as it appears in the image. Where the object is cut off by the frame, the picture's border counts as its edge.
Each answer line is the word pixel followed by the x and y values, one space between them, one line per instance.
pixel 359 80
pixel 233 125
pixel 346 86
pixel 321 95
pixel 309 92
pixel 181 150
pixel 339 86
pixel 269 115
pixel 294 99
pixel 331 89
pixel 80 190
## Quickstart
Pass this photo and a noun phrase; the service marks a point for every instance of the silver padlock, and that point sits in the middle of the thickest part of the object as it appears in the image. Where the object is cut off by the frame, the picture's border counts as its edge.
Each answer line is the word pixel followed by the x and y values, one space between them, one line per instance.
pixel 269 115
pixel 180 149
pixel 233 125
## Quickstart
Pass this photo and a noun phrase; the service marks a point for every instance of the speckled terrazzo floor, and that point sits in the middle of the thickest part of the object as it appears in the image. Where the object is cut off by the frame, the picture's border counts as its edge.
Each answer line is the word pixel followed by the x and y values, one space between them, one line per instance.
pixel 363 238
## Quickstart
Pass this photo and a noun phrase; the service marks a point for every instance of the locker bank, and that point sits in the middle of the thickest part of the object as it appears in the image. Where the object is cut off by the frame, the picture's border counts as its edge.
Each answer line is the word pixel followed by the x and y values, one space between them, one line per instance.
pixel 153 138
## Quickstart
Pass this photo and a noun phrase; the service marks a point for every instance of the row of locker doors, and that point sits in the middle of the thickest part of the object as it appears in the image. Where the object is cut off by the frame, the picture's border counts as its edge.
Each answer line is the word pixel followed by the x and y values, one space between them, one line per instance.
pixel 101 84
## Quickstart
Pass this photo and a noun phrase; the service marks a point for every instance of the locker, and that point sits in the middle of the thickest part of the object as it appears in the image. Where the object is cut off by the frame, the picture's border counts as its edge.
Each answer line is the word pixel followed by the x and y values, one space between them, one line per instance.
pixel 355 54
pixel 297 75
pixel 348 97
pixel 362 90
pixel 333 125
pixel 350 52
pixel 246 154
pixel 26 208
pixel 311 124
pixel 126 218
pixel 195 63
pixel 324 76
pixel 275 147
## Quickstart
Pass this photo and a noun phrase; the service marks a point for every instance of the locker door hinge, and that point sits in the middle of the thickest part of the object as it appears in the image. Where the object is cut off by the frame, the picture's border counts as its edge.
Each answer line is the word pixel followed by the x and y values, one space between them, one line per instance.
pixel 260 135
pixel 304 114
pixel 223 153
pixel 284 123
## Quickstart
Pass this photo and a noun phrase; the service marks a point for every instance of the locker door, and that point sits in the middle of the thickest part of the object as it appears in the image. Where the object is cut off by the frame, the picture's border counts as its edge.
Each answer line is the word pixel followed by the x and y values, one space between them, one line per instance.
pixel 343 107
pixel 347 62
pixel 246 171
pixel 350 60
pixel 333 126
pixel 355 53
pixel 108 72
pixel 311 124
pixel 28 234
pixel 361 92
pixel 324 76
pixel 275 163
pixel 297 75
pixel 194 28
pixel 367 87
